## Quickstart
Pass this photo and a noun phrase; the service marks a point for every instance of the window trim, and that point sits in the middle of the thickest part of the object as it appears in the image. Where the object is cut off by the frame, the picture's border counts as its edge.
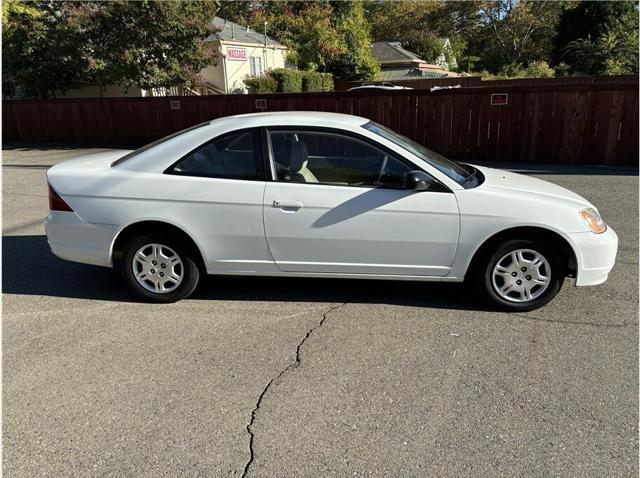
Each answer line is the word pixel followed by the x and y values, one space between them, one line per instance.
pixel 254 62
pixel 350 134
pixel 259 150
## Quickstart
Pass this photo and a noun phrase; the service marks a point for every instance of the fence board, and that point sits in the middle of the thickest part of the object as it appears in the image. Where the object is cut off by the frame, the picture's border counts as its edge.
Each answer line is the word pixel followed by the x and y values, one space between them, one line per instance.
pixel 593 123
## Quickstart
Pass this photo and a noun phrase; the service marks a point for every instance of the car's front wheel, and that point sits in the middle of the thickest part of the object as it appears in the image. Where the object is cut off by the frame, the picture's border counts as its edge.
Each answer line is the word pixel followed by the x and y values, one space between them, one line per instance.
pixel 159 269
pixel 521 275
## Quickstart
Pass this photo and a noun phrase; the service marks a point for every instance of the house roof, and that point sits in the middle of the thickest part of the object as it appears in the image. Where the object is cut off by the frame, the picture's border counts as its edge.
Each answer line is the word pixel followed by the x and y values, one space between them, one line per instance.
pixel 391 51
pixel 230 31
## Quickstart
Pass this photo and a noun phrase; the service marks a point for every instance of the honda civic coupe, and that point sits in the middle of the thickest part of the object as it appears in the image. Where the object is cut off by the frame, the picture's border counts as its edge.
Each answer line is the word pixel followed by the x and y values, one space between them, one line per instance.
pixel 309 194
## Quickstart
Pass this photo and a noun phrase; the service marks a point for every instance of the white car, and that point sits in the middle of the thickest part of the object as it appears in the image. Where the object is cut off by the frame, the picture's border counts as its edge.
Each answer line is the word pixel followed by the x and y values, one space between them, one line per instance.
pixel 386 86
pixel 311 194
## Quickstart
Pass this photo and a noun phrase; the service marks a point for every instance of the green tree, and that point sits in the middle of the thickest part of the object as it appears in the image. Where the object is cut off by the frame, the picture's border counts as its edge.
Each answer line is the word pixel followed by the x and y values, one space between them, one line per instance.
pixel 393 20
pixel 309 31
pixel 419 25
pixel 354 61
pixel 238 11
pixel 514 32
pixel 306 28
pixel 147 44
pixel 40 50
pixel 65 45
pixel 325 36
pixel 424 44
pixel 599 38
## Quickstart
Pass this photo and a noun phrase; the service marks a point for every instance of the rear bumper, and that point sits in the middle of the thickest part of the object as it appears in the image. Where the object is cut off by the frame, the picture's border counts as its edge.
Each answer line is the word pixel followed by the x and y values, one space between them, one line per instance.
pixel 72 239
pixel 595 254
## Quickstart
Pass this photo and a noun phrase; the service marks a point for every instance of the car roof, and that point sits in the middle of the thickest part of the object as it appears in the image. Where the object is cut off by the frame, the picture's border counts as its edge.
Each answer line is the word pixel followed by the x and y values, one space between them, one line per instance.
pixel 183 141
pixel 279 118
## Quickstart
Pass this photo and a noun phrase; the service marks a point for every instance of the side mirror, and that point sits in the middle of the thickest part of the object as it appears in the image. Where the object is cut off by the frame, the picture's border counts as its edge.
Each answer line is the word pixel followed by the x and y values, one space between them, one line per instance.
pixel 418 181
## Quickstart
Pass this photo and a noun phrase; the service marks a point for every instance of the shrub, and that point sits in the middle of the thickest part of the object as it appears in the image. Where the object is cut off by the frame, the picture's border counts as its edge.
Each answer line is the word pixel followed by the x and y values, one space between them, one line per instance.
pixel 311 81
pixel 261 84
pixel 512 70
pixel 289 81
pixel 327 81
pixel 284 80
pixel 539 69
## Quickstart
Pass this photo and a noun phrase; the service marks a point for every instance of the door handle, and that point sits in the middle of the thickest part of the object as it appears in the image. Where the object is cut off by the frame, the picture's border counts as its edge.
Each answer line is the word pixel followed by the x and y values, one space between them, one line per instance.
pixel 287 204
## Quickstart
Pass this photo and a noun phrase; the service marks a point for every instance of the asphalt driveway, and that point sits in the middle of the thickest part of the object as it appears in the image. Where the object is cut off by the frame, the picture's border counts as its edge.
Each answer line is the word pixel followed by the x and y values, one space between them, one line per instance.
pixel 282 377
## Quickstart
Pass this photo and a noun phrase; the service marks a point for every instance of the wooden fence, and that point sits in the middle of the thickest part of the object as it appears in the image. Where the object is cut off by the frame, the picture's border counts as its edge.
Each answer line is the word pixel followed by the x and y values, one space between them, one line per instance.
pixel 569 124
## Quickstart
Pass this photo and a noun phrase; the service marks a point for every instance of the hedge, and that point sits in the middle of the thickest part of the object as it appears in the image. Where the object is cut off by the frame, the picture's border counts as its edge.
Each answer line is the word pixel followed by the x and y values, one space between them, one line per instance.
pixel 311 81
pixel 284 80
pixel 289 81
pixel 261 84
pixel 327 82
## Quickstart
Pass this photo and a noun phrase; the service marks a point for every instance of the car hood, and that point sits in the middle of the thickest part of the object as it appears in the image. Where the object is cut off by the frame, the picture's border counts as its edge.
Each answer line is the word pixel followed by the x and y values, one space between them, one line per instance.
pixel 506 181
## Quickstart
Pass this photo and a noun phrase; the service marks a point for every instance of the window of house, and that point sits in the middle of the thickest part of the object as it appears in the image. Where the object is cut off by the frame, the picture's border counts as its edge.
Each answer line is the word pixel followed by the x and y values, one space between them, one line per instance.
pixel 333 158
pixel 235 155
pixel 255 63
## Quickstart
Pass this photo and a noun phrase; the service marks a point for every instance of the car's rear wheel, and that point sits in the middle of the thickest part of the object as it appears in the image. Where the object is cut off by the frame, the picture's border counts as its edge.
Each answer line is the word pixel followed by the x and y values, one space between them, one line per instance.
pixel 159 269
pixel 521 275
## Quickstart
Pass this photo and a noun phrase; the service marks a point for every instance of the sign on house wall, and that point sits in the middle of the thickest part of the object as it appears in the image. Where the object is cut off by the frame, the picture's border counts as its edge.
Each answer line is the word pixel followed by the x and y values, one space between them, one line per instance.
pixel 237 54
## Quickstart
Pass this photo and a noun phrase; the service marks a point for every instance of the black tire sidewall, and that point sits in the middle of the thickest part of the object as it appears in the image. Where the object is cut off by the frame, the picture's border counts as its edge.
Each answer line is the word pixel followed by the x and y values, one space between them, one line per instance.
pixel 555 263
pixel 191 270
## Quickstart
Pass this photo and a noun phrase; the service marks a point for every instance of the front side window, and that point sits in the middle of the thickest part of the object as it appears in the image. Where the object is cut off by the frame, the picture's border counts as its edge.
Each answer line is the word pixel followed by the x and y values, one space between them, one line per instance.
pixel 456 171
pixel 331 158
pixel 235 155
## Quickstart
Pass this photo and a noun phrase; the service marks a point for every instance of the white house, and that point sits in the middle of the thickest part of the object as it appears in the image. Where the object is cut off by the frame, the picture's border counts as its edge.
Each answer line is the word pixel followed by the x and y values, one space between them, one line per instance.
pixel 242 52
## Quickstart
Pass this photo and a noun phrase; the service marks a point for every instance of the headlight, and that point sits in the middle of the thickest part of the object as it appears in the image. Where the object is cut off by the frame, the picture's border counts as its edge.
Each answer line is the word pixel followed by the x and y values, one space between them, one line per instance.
pixel 593 220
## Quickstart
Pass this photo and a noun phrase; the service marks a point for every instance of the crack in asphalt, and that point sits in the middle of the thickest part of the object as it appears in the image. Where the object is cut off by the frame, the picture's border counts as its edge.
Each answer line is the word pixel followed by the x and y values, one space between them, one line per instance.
pixel 295 364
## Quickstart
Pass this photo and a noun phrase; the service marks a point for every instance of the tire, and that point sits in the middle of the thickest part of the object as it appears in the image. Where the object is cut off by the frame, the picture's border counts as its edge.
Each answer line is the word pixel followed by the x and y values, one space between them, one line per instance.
pixel 539 273
pixel 156 256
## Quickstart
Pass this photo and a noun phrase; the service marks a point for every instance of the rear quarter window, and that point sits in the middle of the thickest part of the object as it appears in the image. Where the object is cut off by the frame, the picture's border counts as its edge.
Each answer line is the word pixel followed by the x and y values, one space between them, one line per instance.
pixel 156 143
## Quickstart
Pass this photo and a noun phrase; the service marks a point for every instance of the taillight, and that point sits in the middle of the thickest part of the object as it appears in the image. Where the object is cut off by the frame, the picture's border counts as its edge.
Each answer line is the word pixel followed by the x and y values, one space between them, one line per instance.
pixel 55 201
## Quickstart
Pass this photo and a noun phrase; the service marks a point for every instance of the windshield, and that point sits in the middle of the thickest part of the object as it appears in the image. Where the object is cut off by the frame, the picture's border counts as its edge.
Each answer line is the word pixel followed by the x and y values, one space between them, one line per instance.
pixel 458 172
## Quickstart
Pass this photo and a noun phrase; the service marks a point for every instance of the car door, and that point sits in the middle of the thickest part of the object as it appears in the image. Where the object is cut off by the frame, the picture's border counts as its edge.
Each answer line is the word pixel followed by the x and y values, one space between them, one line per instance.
pixel 338 205
pixel 216 192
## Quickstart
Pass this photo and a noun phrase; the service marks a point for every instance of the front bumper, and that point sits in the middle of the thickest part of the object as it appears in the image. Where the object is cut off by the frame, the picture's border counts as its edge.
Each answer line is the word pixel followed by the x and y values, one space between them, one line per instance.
pixel 595 256
pixel 72 239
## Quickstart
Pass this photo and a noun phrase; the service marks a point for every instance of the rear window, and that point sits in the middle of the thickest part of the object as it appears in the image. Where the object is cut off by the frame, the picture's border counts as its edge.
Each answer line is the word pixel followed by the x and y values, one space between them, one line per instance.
pixel 156 143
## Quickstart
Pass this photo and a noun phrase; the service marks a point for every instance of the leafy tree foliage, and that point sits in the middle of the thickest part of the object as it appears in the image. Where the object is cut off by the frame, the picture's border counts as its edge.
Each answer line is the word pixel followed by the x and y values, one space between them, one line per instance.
pixel 599 38
pixel 52 46
pixel 421 24
pixel 40 49
pixel 424 44
pixel 512 32
pixel 354 60
pixel 499 36
pixel 392 21
pixel 325 36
